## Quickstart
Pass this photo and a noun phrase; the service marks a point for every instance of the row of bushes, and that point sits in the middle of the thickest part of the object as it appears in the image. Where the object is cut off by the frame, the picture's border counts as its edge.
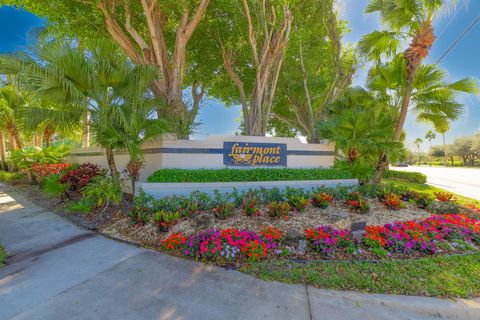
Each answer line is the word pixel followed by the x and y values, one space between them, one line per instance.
pixel 275 203
pixel 414 177
pixel 437 234
pixel 238 175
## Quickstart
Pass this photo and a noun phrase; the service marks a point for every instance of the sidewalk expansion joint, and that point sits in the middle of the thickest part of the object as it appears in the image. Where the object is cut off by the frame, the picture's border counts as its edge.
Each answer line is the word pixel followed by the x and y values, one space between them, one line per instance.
pixel 32 254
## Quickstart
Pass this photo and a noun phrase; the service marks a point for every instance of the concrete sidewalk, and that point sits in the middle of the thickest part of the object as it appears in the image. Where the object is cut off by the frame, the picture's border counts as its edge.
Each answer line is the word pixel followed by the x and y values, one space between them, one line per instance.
pixel 58 271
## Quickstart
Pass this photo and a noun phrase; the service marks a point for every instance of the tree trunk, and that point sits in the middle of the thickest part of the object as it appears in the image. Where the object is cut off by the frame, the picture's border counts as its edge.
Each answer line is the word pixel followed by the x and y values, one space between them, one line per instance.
pixel 170 58
pixel 383 160
pixel 17 144
pixel 47 136
pixel 85 130
pixel 111 163
pixel 2 151
pixel 444 151
pixel 267 62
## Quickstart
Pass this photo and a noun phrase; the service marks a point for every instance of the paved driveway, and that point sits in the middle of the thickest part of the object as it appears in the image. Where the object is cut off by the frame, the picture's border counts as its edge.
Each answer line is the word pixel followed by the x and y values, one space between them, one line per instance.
pixel 58 271
pixel 464 181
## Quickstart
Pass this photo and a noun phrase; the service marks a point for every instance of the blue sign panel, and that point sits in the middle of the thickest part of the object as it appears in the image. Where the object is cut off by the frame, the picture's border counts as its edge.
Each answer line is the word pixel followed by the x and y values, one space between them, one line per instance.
pixel 246 154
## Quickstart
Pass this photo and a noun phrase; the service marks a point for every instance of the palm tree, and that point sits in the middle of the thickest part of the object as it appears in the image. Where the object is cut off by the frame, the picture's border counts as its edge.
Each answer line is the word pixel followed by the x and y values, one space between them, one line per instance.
pixel 361 127
pixel 430 135
pixel 102 82
pixel 404 20
pixel 417 143
pixel 442 128
pixel 12 100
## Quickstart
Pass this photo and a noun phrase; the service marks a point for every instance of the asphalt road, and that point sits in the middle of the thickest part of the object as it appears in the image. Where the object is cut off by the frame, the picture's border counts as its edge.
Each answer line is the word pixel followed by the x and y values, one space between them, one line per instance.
pixel 463 181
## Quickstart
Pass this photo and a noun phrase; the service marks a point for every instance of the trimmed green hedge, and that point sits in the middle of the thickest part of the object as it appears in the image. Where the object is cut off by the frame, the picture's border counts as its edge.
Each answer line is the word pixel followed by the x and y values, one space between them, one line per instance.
pixel 239 175
pixel 415 177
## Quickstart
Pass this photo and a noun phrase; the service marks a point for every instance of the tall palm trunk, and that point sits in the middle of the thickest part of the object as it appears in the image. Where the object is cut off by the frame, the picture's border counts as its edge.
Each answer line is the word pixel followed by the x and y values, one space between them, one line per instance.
pixel 17 144
pixel 2 151
pixel 111 163
pixel 383 160
pixel 47 136
pixel 414 55
pixel 444 150
pixel 85 131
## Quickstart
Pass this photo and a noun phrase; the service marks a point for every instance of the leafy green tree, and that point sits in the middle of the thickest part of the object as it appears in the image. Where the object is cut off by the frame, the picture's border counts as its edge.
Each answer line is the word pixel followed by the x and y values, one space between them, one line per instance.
pixel 430 135
pixel 404 20
pixel 252 38
pixel 465 148
pixel 317 68
pixel 150 32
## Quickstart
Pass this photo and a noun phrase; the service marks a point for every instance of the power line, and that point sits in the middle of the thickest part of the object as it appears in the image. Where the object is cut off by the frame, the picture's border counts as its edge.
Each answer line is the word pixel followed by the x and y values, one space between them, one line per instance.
pixel 451 19
pixel 459 38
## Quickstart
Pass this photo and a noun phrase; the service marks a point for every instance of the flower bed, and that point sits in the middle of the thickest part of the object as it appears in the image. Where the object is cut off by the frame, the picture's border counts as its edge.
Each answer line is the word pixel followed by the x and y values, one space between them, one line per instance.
pixel 436 234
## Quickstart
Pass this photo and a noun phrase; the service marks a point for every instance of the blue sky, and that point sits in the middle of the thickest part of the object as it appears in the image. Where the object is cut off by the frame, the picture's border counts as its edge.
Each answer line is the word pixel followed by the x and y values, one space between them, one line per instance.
pixel 215 119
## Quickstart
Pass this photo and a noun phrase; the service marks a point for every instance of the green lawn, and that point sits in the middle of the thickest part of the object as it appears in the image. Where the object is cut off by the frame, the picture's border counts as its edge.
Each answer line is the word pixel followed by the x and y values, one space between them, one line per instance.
pixel 453 276
pixel 3 255
pixel 420 187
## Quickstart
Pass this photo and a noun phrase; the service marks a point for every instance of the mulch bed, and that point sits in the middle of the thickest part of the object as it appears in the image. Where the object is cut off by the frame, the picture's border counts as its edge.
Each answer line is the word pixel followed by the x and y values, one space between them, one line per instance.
pixel 115 223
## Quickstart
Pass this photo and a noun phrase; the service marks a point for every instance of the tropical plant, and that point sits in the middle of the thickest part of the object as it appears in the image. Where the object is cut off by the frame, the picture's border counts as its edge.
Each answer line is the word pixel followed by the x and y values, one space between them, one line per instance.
pixel 321 200
pixel 223 210
pixel 165 219
pixel 28 157
pixel 105 82
pixel 78 177
pixel 442 128
pixel 361 127
pixel 151 33
pixel 12 100
pixel 410 20
pixel 52 186
pixel 250 205
pixel 278 209
pixel 430 135
pixel 103 190
pixel 358 203
pixel 418 142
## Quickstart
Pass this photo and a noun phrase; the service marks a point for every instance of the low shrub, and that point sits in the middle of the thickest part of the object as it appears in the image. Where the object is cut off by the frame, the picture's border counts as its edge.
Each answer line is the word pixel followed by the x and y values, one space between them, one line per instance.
pixel 358 203
pixel 321 200
pixel 393 201
pixel 165 219
pixel 26 158
pixel 236 175
pixel 299 203
pixel 444 196
pixel 278 210
pixel 79 177
pixel 84 205
pixel 103 191
pixel 139 215
pixel 422 200
pixel 250 205
pixel 52 186
pixel 3 256
pixel 41 171
pixel 414 177
pixel 223 210
pixel 10 176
